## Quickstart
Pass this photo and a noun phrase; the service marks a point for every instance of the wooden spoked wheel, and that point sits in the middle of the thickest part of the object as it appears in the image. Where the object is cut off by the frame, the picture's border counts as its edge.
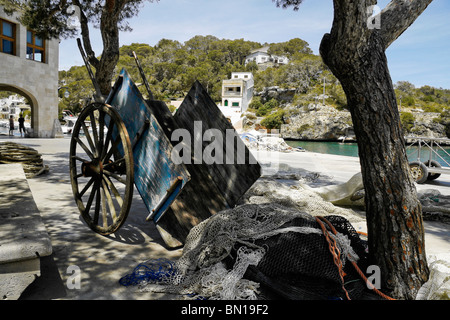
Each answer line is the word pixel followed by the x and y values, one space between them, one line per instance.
pixel 101 168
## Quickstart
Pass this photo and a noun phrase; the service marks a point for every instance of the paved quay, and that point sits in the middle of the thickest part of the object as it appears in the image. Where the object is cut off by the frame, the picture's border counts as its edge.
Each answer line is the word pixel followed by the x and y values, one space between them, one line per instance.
pixel 77 251
pixel 101 261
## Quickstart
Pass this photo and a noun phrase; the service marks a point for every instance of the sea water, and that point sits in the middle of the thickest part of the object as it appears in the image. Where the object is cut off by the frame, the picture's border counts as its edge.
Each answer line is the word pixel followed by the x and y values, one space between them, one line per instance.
pixel 351 150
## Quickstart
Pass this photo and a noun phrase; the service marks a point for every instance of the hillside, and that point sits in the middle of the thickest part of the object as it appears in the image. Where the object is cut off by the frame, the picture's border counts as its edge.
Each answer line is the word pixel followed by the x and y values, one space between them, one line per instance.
pixel 172 67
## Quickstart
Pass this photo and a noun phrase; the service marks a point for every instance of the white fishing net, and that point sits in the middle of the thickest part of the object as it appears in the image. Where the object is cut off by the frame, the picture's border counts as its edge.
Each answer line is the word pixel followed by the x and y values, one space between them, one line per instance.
pixel 438 285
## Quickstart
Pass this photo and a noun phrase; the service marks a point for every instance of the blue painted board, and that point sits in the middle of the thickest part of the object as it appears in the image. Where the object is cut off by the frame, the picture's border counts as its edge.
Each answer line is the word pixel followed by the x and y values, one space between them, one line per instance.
pixel 154 171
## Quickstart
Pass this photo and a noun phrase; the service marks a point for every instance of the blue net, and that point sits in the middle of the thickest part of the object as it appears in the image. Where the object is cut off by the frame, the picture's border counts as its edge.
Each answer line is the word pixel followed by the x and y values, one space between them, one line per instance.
pixel 151 271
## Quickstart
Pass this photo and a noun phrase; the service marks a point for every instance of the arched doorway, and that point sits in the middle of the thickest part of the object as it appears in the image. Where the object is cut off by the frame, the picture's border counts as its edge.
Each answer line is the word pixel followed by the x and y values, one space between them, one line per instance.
pixel 15 102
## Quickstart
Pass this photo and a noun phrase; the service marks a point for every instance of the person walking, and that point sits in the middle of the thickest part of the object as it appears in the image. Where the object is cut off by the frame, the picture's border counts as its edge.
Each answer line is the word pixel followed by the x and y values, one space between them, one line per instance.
pixel 11 125
pixel 21 124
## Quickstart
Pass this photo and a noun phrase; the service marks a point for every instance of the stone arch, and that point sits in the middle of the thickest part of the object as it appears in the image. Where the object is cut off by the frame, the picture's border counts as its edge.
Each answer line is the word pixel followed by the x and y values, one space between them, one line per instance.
pixel 34 104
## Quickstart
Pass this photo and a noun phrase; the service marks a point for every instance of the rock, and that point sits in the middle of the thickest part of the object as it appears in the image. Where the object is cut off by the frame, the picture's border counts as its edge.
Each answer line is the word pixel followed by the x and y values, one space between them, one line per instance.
pixel 276 93
pixel 318 123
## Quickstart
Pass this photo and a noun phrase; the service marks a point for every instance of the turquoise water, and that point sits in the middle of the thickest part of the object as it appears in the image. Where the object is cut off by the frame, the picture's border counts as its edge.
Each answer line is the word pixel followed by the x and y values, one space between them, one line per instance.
pixel 351 150
pixel 342 149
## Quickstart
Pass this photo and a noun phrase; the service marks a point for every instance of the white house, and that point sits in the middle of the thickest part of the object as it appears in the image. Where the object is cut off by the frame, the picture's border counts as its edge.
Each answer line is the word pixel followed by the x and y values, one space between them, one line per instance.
pixel 29 67
pixel 12 106
pixel 260 56
pixel 237 92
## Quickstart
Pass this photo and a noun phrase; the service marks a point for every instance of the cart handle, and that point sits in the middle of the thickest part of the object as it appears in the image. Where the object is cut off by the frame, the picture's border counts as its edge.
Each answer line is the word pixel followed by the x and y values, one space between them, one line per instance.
pixel 166 201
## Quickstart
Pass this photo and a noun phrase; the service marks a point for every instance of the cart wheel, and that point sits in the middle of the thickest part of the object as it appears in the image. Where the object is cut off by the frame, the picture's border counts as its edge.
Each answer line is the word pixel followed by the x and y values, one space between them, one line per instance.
pixel 433 163
pixel 419 171
pixel 101 168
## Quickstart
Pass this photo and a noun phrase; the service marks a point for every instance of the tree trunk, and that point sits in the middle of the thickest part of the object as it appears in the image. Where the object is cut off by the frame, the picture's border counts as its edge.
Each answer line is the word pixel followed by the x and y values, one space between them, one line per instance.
pixel 104 67
pixel 357 58
pixel 110 54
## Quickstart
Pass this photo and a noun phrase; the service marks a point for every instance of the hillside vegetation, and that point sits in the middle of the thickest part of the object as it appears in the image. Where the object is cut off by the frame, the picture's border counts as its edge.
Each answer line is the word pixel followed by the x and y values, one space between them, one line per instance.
pixel 172 67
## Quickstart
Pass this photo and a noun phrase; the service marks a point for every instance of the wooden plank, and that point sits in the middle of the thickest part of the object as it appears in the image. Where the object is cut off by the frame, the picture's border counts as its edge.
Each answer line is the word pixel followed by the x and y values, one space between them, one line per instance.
pixel 199 199
pixel 234 179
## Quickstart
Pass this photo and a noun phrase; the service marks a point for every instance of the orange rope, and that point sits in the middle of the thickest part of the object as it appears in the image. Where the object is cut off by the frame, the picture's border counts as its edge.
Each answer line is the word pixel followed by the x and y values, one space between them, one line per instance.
pixel 336 256
pixel 335 252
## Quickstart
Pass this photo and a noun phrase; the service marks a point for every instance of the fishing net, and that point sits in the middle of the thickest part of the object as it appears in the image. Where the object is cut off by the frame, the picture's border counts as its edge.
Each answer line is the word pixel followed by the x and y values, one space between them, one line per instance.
pixel 438 285
pixel 266 250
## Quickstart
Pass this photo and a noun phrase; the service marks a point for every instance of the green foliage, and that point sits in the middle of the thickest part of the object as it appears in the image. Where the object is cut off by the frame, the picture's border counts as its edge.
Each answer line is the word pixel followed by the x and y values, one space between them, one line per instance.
pixel 407 120
pixel 250 116
pixel 274 120
pixel 49 17
pixel 294 49
pixel 263 110
pixel 427 98
pixel 255 104
pixel 267 107
pixel 272 104
pixel 171 67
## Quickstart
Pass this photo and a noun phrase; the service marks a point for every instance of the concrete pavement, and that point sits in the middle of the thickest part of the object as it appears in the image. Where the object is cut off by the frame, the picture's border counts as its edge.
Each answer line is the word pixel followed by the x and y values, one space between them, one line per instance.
pixel 81 256
pixel 85 265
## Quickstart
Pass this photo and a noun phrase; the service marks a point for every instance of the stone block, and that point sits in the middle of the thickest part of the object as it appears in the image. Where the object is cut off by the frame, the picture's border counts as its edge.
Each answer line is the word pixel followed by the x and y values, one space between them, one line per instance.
pixel 23 236
pixel 15 277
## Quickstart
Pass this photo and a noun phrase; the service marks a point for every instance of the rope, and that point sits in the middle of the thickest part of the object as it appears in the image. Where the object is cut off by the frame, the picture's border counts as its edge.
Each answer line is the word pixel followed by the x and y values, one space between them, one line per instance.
pixel 335 252
pixel 157 270
pixel 336 255
pixel 31 160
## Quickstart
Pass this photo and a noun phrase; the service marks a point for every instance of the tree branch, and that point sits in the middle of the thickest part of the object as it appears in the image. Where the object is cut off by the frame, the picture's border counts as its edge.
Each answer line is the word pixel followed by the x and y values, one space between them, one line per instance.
pixel 85 35
pixel 398 16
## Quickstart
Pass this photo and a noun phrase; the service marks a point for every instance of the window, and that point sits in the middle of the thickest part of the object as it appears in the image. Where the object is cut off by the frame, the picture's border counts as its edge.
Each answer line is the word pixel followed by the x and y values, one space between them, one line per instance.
pixel 35 47
pixel 7 37
pixel 235 104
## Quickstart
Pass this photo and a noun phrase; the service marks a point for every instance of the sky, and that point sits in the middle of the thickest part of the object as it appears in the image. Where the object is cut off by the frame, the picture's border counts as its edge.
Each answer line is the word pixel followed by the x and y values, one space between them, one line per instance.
pixel 421 55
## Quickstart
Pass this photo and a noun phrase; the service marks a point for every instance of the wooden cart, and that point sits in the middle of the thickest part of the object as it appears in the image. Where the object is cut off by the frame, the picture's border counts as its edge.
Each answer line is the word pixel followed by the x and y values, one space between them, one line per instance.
pixel 125 142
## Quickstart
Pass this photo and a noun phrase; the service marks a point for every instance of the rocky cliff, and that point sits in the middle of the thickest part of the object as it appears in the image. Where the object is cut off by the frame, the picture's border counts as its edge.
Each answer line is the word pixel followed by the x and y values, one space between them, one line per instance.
pixel 318 122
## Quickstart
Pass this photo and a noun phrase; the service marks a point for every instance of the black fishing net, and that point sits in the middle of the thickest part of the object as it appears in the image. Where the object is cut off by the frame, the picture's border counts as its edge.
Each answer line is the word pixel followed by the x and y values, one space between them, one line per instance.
pixel 301 266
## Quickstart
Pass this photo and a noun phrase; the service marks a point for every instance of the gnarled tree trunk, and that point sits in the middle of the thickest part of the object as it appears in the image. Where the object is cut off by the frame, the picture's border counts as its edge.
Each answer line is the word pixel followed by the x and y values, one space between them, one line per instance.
pixel 356 55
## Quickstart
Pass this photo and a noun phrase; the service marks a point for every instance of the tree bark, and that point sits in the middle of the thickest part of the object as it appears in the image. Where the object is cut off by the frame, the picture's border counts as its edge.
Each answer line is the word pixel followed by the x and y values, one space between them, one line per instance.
pixel 110 36
pixel 356 55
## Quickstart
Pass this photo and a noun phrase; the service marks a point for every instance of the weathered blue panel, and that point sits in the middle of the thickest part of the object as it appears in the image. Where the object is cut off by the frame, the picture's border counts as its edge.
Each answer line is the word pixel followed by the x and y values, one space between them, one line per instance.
pixel 154 171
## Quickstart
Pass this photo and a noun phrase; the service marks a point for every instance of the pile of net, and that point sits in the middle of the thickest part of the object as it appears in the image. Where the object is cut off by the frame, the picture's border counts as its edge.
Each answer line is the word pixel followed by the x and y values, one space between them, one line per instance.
pixel 438 285
pixel 30 159
pixel 269 247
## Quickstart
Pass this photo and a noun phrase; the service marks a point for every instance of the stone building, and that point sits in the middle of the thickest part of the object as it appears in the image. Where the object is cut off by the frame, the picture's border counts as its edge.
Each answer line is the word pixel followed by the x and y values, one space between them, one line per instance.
pixel 29 67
